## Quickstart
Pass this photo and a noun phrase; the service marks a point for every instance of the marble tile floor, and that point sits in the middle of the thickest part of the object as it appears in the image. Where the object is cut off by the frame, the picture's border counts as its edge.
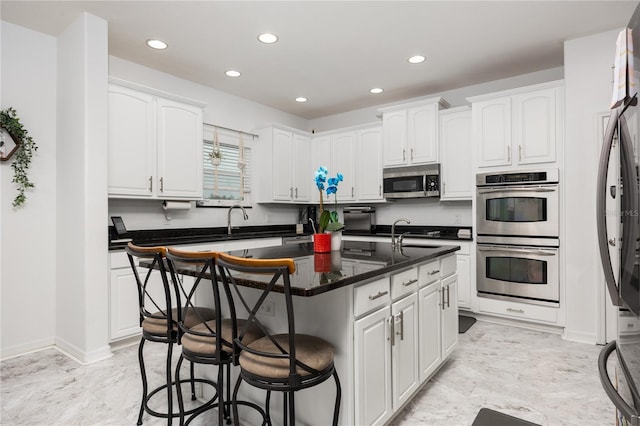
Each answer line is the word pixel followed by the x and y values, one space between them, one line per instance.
pixel 528 374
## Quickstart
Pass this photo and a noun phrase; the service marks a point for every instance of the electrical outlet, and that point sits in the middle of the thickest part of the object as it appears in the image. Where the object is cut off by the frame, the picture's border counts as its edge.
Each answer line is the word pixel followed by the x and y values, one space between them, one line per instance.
pixel 457 220
pixel 268 308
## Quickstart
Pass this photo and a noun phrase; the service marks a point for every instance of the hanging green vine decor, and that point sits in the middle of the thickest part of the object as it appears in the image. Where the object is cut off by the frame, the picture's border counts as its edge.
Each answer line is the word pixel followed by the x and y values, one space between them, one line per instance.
pixel 11 123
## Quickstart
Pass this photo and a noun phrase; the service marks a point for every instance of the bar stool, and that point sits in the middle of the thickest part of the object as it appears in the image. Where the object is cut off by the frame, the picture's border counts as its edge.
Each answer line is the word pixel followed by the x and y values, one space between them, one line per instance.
pixel 285 362
pixel 159 326
pixel 211 340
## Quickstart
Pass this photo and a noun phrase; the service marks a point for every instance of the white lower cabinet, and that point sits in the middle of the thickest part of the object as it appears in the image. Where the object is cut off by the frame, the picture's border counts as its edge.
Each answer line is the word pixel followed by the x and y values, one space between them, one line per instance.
pixel 399 345
pixel 373 369
pixel 404 349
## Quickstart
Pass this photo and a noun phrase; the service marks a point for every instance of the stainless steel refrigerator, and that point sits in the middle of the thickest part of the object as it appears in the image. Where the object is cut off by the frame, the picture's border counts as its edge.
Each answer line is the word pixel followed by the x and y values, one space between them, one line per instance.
pixel 618 220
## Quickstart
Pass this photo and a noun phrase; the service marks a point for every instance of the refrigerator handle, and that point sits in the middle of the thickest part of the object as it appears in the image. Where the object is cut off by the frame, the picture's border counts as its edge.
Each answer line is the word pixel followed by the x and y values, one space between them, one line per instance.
pixel 601 193
pixel 627 411
pixel 629 202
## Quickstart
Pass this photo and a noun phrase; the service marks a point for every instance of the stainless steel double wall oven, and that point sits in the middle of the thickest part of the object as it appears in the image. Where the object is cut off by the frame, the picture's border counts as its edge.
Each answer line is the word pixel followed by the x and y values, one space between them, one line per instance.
pixel 518 223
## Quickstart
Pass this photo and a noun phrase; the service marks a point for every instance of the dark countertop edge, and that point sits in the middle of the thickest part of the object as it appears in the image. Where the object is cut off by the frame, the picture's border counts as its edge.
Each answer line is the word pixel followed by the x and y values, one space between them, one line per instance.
pixel 411 235
pixel 298 291
pixel 372 274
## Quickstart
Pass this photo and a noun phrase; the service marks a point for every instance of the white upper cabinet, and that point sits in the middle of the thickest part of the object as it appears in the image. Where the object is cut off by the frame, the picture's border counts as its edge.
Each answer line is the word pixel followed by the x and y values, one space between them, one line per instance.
pixel 410 133
pixel 455 152
pixel 519 127
pixel 343 151
pixel 155 145
pixel 369 162
pixel 320 156
pixel 283 166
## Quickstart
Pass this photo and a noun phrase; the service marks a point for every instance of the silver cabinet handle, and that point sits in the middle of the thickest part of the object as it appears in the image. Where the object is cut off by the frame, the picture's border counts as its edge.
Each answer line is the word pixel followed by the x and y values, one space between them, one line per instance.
pixel 353 192
pixel 296 192
pixel 379 295
pixel 519 311
pixel 150 183
pixel 441 291
pixel 408 283
pixel 411 154
pixel 393 331
pixel 404 154
pixel 291 192
pixel 519 152
pixel 436 271
pixel 508 153
pixel 401 325
pixel 444 187
pixel 161 184
pixel 380 190
pixel 448 296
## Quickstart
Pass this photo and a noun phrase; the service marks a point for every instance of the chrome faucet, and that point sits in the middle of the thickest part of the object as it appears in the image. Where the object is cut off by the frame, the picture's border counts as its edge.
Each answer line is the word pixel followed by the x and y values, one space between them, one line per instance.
pixel 235 206
pixel 394 243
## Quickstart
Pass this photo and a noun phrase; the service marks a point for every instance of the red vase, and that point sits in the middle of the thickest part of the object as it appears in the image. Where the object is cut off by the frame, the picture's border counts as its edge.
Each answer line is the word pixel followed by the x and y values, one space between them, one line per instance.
pixel 322 243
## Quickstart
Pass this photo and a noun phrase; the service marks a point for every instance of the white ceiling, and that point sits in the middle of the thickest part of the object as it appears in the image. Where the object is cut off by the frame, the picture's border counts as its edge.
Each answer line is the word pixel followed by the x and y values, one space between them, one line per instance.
pixel 334 52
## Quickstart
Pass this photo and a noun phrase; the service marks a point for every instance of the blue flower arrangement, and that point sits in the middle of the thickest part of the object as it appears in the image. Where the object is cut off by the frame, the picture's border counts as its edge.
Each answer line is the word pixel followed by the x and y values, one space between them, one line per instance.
pixel 329 220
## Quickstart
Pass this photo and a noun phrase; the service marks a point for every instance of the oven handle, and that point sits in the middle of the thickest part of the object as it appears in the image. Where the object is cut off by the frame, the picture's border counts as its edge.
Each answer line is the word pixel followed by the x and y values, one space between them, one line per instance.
pixel 541 252
pixel 519 189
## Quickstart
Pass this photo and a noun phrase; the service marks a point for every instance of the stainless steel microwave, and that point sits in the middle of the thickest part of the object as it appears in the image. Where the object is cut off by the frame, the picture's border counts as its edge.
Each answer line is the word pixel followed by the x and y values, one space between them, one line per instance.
pixel 412 182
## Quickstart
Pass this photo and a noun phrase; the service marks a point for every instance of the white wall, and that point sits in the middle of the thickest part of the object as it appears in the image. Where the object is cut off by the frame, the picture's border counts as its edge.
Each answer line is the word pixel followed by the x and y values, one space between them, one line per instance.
pixel 588 88
pixel 82 325
pixel 28 243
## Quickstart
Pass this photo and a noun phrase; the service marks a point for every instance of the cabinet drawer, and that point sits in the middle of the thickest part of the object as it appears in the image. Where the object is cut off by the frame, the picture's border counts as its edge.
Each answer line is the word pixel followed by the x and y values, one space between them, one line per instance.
pixel 523 311
pixel 429 273
pixel 628 325
pixel 119 260
pixel 370 296
pixel 404 283
pixel 448 265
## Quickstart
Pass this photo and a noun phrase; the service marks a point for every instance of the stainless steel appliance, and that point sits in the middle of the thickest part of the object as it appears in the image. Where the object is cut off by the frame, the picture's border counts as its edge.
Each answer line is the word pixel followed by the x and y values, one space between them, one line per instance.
pixel 359 218
pixel 518 203
pixel 412 182
pixel 522 268
pixel 619 233
pixel 518 223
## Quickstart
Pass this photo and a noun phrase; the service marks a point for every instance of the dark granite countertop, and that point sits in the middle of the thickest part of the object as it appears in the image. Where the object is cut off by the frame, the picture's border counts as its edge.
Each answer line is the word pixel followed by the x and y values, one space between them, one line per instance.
pixel 426 232
pixel 318 273
pixel 177 236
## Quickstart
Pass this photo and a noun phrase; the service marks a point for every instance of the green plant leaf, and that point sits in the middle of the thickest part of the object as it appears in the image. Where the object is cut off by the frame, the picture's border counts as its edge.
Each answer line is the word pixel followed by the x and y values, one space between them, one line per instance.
pixel 334 226
pixel 324 220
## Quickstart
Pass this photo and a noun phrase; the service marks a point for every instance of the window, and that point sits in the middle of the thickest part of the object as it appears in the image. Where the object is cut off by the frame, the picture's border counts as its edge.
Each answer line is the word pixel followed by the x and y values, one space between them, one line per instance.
pixel 225 183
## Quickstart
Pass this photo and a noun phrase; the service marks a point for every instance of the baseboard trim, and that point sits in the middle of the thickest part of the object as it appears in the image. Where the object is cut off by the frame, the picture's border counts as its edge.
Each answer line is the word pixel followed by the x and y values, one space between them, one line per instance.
pixel 516 323
pixel 579 336
pixel 80 356
pixel 26 348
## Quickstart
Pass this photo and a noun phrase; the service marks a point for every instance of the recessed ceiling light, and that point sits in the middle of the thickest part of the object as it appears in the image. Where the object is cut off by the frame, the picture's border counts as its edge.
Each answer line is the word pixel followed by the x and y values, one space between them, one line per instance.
pixel 376 90
pixel 268 38
pixel 416 59
pixel 232 73
pixel 157 44
pixel 301 99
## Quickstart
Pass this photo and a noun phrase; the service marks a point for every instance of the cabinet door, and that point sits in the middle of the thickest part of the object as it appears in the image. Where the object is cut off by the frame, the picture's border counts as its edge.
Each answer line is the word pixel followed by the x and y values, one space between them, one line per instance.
pixel 394 126
pixel 320 156
pixel 423 134
pixel 535 126
pixel 369 157
pixel 123 297
pixel 131 136
pixel 343 161
pixel 492 131
pixel 179 150
pixel 404 354
pixel 372 369
pixel 463 267
pixel 449 315
pixel 455 149
pixel 430 302
pixel 300 167
pixel 282 158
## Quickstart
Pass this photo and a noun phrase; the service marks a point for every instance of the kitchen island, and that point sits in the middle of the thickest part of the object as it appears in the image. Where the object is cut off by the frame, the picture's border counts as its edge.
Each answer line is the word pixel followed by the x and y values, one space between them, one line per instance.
pixel 391 315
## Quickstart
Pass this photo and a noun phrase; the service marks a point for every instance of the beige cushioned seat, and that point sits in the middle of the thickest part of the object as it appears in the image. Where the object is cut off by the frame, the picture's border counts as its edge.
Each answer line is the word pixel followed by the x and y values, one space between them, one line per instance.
pixel 310 350
pixel 159 325
pixel 207 344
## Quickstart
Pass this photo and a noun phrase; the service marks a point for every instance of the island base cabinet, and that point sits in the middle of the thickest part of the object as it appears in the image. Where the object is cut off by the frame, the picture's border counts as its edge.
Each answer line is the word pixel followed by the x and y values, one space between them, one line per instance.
pixel 373 368
pixel 449 315
pixel 404 349
pixel 430 329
